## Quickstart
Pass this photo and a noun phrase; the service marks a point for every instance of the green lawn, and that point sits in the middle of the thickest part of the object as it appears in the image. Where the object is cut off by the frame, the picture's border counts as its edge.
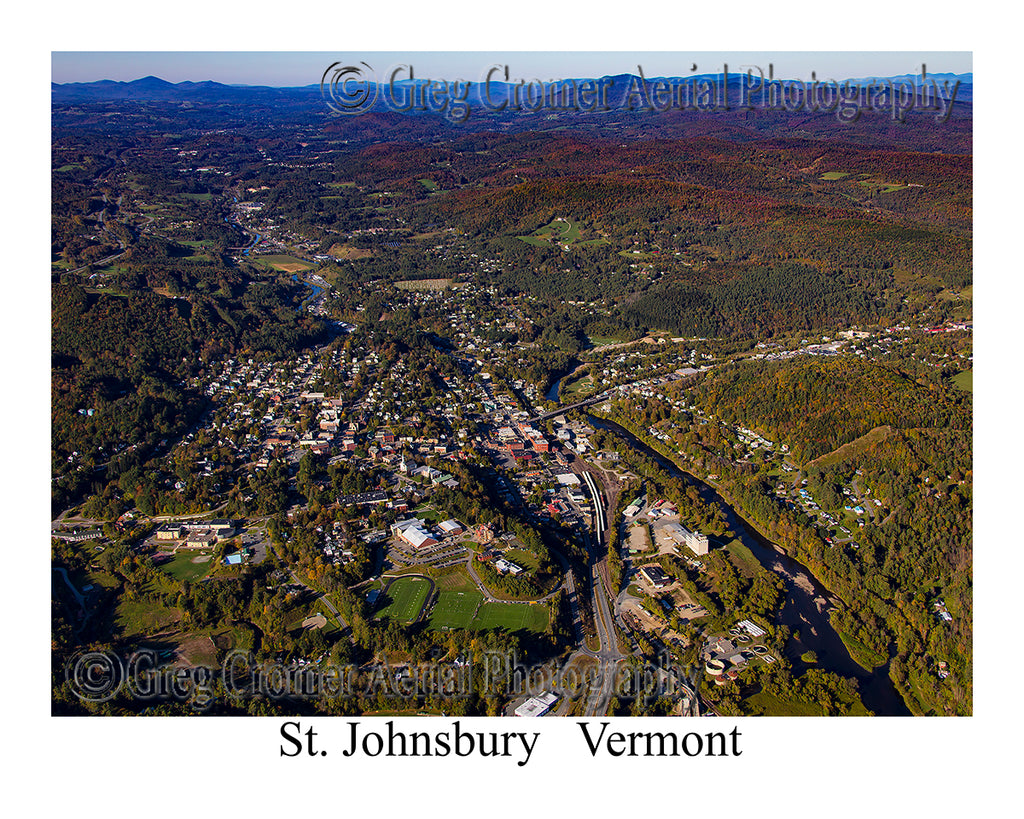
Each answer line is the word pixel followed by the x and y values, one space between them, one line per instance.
pixel 964 381
pixel 429 514
pixel 429 184
pixel 455 609
pixel 562 232
pixel 601 341
pixel 571 389
pixel 455 578
pixel 512 616
pixel 742 558
pixel 181 566
pixel 528 560
pixel 833 175
pixel 404 599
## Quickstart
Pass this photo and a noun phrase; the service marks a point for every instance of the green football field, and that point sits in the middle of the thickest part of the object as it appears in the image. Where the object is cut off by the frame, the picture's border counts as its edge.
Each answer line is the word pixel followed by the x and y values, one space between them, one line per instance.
pixel 404 599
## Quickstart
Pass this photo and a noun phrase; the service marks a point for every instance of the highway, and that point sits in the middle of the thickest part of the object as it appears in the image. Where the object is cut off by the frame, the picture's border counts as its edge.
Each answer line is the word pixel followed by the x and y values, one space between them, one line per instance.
pixel 607 655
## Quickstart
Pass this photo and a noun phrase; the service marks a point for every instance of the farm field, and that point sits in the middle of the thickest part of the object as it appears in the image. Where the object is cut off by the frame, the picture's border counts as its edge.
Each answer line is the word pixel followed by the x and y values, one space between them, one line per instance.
pixel 287 264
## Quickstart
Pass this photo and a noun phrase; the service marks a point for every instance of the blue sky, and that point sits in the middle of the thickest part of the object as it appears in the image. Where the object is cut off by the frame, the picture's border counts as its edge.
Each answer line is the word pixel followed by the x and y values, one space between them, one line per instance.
pixel 306 68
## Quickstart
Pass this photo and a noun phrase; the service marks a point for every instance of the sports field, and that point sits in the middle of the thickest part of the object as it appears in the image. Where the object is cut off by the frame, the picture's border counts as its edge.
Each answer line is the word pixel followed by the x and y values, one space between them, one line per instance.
pixel 454 609
pixel 511 616
pixel 404 599
pixel 463 610
pixel 189 565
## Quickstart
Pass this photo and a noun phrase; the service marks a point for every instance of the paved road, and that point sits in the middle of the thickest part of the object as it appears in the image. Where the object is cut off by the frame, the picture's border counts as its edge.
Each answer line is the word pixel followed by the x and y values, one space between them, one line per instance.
pixel 319 595
pixel 490 598
pixel 608 655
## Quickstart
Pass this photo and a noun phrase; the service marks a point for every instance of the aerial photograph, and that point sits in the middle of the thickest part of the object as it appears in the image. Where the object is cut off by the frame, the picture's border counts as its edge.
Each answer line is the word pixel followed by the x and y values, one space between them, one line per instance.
pixel 471 384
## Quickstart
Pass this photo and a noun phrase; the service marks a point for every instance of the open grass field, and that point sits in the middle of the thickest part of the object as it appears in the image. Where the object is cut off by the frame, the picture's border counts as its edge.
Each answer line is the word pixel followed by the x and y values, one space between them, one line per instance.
pixel 404 599
pixel 197 649
pixel 559 231
pixel 339 251
pixel 964 381
pixel 742 558
pixel 455 609
pixel 465 610
pixel 189 564
pixel 603 341
pixel 528 560
pixel 577 387
pixel 849 450
pixel 455 578
pixel 138 617
pixel 429 184
pixel 880 187
pixel 638 255
pixel 511 616
pixel 287 264
pixel 831 176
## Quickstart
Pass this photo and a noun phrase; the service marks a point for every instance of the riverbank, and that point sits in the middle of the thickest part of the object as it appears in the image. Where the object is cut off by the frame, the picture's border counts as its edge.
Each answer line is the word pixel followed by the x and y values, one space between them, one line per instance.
pixel 802 611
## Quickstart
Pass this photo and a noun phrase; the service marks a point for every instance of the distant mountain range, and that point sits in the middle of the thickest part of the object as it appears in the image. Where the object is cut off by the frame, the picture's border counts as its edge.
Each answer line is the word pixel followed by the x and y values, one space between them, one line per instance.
pixel 156 89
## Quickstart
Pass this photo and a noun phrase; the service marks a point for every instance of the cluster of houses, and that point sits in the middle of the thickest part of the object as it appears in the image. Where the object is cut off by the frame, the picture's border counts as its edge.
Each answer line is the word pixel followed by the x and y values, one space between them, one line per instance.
pixel 335 547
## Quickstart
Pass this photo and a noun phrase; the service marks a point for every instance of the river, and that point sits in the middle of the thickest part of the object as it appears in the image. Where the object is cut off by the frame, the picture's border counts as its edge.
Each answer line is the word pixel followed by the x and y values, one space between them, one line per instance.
pixel 805 607
pixel 552 393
